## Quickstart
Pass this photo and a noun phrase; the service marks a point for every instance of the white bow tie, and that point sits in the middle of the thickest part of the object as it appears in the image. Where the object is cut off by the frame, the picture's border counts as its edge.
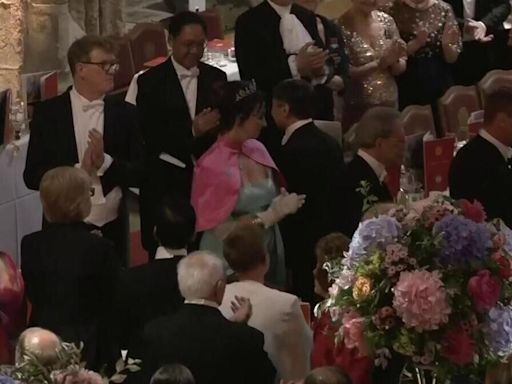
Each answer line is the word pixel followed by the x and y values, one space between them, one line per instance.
pixel 191 74
pixel 97 104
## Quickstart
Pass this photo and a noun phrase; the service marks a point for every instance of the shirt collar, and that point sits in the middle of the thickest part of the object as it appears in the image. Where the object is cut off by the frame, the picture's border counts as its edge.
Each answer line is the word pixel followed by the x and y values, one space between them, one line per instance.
pixel 181 70
pixel 205 302
pixel 78 98
pixel 281 10
pixel 292 128
pixel 166 253
pixel 378 167
pixel 505 150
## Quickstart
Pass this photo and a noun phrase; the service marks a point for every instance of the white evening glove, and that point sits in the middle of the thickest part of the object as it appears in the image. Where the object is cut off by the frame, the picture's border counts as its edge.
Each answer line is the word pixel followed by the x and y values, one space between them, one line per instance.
pixel 282 206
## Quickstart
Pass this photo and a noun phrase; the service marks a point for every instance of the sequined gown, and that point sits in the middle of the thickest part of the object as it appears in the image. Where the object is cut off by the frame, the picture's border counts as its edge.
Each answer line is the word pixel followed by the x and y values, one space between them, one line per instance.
pixel 428 75
pixel 376 88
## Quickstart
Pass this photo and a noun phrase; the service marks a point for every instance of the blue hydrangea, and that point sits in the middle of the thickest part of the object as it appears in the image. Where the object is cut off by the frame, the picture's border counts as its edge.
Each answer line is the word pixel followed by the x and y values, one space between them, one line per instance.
pixel 498 330
pixel 372 233
pixel 6 380
pixel 463 240
pixel 508 236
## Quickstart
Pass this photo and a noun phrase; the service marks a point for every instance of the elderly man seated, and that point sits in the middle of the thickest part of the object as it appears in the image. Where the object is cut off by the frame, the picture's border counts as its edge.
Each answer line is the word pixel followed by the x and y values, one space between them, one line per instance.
pixel 380 140
pixel 215 349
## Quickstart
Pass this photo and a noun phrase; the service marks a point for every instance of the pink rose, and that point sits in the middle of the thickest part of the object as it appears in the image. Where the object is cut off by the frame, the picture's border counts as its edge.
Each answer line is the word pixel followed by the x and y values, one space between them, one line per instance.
pixel 499 241
pixel 484 290
pixel 353 335
pixel 473 211
pixel 504 265
pixel 458 346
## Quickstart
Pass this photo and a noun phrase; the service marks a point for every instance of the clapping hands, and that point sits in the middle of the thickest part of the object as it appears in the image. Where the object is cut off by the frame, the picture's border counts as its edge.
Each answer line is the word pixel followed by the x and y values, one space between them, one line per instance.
pixel 477 30
pixel 205 121
pixel 311 60
pixel 94 154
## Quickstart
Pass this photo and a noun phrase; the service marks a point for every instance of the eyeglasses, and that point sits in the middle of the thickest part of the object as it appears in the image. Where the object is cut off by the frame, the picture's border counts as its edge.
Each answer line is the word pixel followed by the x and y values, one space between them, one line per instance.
pixel 108 67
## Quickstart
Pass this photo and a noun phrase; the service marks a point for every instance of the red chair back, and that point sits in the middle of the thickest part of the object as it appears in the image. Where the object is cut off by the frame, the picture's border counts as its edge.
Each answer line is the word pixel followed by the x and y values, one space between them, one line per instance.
pixel 126 67
pixel 147 41
pixel 456 106
pixel 214 26
pixel 417 119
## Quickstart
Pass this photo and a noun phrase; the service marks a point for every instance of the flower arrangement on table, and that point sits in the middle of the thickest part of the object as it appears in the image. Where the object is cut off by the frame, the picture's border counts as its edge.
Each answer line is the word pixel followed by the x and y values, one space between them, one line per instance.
pixel 434 286
pixel 67 369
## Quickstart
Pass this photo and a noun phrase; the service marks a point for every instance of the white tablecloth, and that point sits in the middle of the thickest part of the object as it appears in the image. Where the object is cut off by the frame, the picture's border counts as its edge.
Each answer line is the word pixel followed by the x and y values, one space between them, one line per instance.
pixel 20 208
pixel 230 67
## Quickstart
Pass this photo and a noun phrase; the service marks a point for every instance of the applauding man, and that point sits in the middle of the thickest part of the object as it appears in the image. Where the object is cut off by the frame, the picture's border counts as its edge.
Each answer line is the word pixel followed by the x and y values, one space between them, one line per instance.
pixel 82 128
pixel 176 101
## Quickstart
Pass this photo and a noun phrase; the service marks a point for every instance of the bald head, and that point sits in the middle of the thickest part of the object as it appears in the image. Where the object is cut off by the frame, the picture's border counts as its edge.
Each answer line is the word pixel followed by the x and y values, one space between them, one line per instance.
pixel 39 342
pixel 327 375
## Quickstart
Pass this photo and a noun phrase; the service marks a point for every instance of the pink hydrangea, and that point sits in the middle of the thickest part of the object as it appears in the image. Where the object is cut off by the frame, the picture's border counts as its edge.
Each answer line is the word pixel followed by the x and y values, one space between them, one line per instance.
pixel 81 376
pixel 353 334
pixel 421 300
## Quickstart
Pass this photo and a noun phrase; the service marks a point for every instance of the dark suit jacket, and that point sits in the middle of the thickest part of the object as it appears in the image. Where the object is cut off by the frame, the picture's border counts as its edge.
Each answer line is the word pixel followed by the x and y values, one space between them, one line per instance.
pixel 490 12
pixel 480 172
pixel 70 277
pixel 261 56
pixel 312 164
pixel 154 289
pixel 358 171
pixel 167 127
pixel 53 144
pixel 215 349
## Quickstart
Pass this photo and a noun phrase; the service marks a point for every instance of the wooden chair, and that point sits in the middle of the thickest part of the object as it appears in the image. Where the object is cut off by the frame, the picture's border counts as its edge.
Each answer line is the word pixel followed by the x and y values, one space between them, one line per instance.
pixel 147 41
pixel 126 71
pixel 332 128
pixel 417 119
pixel 456 106
pixel 214 25
pixel 493 80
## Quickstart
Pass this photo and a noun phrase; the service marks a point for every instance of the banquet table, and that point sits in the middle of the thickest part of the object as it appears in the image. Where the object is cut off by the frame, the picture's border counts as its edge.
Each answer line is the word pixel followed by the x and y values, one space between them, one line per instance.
pixel 20 207
pixel 230 67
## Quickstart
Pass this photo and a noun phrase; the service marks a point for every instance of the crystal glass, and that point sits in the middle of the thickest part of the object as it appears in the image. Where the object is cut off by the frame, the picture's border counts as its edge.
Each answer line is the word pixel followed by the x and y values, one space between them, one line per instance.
pixel 17 117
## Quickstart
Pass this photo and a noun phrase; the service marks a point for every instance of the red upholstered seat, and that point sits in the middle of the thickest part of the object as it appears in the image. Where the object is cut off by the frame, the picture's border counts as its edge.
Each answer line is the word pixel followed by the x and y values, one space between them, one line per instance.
pixel 147 41
pixel 455 108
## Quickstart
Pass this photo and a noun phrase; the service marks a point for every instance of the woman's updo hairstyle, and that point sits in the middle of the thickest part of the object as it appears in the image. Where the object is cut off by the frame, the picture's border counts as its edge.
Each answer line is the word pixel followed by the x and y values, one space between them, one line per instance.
pixel 238 100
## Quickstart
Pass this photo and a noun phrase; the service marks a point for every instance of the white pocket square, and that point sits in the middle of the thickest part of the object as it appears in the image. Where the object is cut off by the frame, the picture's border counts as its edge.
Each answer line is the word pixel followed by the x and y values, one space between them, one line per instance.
pixel 172 160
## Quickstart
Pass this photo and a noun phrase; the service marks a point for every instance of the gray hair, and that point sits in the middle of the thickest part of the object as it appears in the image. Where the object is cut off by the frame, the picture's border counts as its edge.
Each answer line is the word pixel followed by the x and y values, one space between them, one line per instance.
pixel 198 273
pixel 376 123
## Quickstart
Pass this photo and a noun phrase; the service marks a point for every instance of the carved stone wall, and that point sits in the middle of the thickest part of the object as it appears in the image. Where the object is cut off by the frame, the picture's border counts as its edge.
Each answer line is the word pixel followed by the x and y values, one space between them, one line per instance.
pixel 12 18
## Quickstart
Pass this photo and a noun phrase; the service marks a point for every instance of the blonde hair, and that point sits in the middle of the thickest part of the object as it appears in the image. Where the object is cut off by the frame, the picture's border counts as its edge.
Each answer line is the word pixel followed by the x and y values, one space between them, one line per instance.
pixel 65 193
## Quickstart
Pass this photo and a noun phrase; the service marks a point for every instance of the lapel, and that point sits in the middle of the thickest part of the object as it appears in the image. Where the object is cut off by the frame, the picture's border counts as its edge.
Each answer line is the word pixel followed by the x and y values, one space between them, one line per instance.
pixel 175 97
pixel 202 89
pixel 308 20
pixel 68 127
pixel 109 125
pixel 273 22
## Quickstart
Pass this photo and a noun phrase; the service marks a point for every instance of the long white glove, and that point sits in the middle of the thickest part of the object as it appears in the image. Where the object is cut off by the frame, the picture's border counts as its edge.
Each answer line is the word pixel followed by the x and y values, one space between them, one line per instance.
pixel 282 206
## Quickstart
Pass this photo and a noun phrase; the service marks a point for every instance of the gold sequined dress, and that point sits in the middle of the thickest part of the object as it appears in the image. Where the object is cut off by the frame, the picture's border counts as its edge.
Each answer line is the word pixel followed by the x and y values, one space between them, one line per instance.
pixel 428 75
pixel 378 87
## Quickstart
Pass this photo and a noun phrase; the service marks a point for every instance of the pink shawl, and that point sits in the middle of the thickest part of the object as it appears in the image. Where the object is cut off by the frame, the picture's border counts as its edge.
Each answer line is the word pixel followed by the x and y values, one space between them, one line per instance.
pixel 217 180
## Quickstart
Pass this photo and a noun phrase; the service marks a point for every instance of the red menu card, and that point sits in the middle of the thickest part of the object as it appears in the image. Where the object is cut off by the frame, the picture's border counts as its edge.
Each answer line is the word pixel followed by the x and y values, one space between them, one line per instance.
pixel 437 158
pixel 393 180
pixel 49 85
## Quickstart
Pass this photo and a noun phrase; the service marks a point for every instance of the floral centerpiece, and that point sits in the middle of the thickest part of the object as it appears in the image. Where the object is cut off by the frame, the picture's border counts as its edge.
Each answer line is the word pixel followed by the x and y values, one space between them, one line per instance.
pixel 67 369
pixel 433 285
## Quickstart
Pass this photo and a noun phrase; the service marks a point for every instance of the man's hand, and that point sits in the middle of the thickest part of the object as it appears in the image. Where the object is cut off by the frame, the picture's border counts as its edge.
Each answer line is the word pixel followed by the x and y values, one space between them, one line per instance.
pixel 86 163
pixel 311 60
pixel 96 148
pixel 242 309
pixel 477 30
pixel 205 121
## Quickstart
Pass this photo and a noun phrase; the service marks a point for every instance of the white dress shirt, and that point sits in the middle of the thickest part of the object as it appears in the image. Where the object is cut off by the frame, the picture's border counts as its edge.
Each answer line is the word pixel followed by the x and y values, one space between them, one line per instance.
pixel 188 81
pixel 167 253
pixel 205 302
pixel 378 167
pixel 89 115
pixel 469 9
pixel 288 340
pixel 292 128
pixel 505 150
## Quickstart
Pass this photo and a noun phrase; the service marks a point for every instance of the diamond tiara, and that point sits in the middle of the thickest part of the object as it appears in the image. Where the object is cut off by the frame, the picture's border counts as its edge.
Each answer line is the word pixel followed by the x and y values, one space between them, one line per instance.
pixel 248 90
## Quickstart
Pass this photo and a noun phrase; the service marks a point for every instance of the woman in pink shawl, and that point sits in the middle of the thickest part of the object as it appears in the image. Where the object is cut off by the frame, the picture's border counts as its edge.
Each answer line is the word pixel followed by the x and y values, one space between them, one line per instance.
pixel 236 179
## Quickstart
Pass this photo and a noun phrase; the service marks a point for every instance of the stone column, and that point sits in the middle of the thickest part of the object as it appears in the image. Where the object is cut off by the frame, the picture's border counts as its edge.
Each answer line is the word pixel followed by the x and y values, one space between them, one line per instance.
pixel 12 18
